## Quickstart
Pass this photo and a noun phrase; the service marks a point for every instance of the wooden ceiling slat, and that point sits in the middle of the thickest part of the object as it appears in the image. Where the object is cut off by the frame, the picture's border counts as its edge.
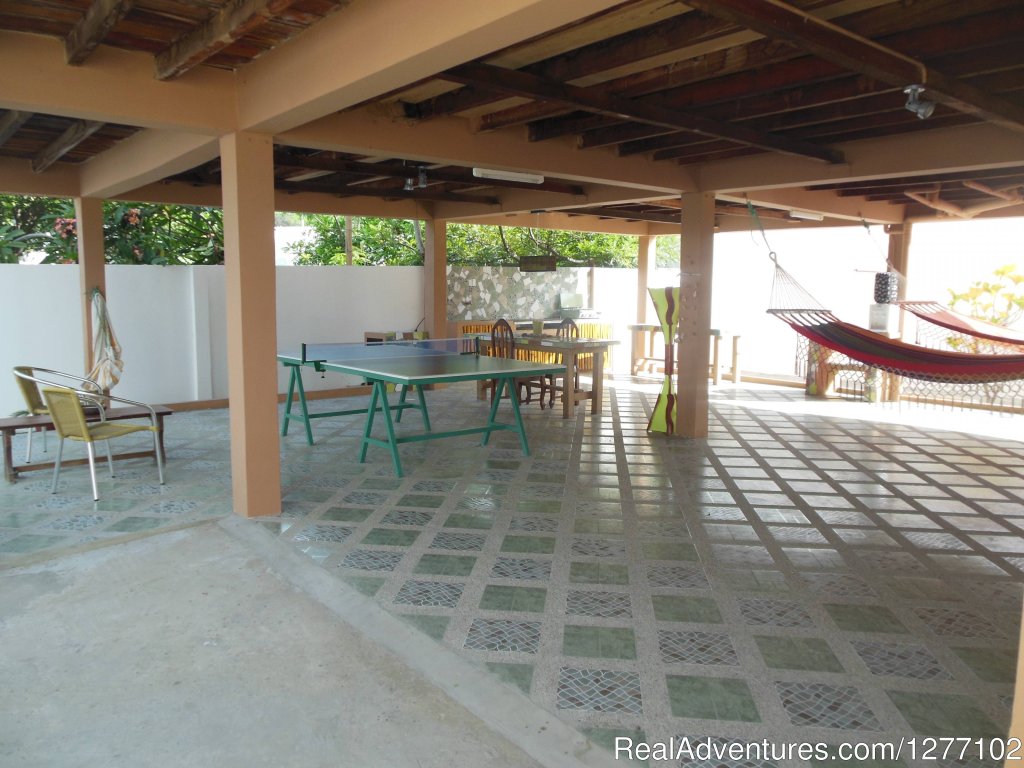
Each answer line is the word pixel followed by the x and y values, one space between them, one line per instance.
pixel 778 20
pixel 594 100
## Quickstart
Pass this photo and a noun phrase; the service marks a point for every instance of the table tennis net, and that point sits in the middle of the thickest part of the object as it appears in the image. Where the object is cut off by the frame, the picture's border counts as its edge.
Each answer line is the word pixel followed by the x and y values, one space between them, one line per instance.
pixel 388 349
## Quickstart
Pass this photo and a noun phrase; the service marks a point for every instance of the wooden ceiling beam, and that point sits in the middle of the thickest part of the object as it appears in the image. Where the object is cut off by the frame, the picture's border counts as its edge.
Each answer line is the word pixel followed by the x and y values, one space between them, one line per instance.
pixel 73 135
pixel 398 170
pixel 776 19
pixel 11 123
pixel 613 212
pixel 647 42
pixel 397 194
pixel 517 83
pixel 91 30
pixel 763 79
pixel 234 20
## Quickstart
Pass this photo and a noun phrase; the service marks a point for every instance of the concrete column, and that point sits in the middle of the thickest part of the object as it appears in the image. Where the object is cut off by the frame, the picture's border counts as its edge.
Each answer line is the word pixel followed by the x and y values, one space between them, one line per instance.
pixel 695 263
pixel 91 264
pixel 247 174
pixel 435 278
pixel 645 254
pixel 899 260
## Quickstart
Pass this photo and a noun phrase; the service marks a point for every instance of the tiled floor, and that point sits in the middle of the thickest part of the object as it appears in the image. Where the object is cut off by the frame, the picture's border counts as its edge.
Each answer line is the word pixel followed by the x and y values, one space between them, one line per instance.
pixel 796 577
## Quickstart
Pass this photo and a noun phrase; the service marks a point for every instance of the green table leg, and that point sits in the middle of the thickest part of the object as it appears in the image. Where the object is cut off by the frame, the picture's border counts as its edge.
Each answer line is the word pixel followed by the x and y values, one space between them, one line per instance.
pixel 423 409
pixel 505 385
pixel 380 394
pixel 296 380
pixel 288 403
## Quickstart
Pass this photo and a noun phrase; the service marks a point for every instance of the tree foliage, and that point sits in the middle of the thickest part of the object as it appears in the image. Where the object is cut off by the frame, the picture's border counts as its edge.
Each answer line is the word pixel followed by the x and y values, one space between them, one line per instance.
pixel 140 233
pixel 133 233
pixel 998 300
pixel 374 241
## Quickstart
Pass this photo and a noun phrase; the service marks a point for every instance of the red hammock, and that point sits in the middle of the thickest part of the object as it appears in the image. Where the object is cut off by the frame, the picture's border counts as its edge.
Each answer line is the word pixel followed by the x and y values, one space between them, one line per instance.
pixel 895 356
pixel 939 315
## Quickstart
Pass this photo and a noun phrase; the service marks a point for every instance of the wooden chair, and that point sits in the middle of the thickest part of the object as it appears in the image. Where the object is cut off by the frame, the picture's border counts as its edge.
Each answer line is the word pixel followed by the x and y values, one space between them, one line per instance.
pixel 503 344
pixel 66 410
pixel 567 329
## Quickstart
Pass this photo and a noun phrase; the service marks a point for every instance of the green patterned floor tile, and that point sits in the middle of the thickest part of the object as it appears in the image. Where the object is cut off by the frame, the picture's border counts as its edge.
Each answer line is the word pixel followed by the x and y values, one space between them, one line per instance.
pixel 711 698
pixel 31 542
pixel 381 483
pixel 808 653
pixel 519 675
pixel 421 500
pixel 309 494
pixel 686 608
pixel 665 550
pixel 501 598
pixel 368 585
pixel 480 522
pixel 598 525
pixel 116 505
pixel 598 573
pixel 765 582
pixel 993 665
pixel 21 519
pixel 502 464
pixel 130 524
pixel 538 507
pixel 391 537
pixel 864 618
pixel 599 642
pixel 445 565
pixel 542 545
pixel 346 514
pixel 944 714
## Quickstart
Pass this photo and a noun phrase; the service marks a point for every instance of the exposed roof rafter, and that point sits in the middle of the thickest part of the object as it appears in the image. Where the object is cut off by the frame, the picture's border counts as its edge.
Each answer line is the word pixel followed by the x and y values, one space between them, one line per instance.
pixel 94 26
pixel 517 83
pixel 779 20
pixel 74 135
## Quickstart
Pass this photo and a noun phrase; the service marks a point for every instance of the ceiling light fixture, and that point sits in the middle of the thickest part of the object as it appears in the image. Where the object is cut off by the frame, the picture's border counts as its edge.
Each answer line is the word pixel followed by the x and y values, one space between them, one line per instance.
pixel 410 184
pixel 923 109
pixel 422 177
pixel 806 216
pixel 526 178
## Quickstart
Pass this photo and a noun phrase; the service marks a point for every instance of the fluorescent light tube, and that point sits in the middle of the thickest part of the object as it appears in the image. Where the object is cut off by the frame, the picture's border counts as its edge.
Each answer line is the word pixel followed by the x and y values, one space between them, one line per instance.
pixel 526 178
pixel 806 216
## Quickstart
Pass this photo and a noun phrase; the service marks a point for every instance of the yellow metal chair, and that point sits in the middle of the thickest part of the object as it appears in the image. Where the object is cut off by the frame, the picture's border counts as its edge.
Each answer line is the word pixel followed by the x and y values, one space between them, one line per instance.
pixel 66 410
pixel 30 379
pixel 34 405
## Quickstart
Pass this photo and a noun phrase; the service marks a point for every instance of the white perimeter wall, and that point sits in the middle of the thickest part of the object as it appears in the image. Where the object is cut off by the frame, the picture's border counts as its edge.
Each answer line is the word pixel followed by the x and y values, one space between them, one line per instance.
pixel 171 322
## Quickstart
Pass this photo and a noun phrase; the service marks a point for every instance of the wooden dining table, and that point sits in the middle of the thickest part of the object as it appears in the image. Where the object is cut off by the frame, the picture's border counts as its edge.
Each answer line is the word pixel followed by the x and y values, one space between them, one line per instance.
pixel 569 352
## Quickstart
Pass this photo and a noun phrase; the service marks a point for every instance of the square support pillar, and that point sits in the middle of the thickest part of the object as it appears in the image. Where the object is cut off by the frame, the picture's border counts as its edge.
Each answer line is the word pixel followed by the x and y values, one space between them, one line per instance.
pixel 91 264
pixel 247 174
pixel 435 278
pixel 696 249
pixel 645 254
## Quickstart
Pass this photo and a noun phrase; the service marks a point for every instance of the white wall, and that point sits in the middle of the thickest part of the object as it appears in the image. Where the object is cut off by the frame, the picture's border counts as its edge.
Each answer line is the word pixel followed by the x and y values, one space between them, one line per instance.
pixel 171 321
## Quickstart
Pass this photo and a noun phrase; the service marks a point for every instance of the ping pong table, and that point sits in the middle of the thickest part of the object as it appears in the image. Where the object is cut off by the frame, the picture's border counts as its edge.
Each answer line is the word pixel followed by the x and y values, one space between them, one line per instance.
pixel 411 365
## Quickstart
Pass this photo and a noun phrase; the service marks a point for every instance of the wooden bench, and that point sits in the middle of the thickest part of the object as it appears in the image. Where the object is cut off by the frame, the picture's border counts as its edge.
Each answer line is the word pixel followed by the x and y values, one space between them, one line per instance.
pixel 9 425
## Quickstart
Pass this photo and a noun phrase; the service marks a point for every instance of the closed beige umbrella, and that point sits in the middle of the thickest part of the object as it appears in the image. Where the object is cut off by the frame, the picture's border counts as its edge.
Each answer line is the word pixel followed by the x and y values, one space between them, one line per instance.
pixel 106 351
